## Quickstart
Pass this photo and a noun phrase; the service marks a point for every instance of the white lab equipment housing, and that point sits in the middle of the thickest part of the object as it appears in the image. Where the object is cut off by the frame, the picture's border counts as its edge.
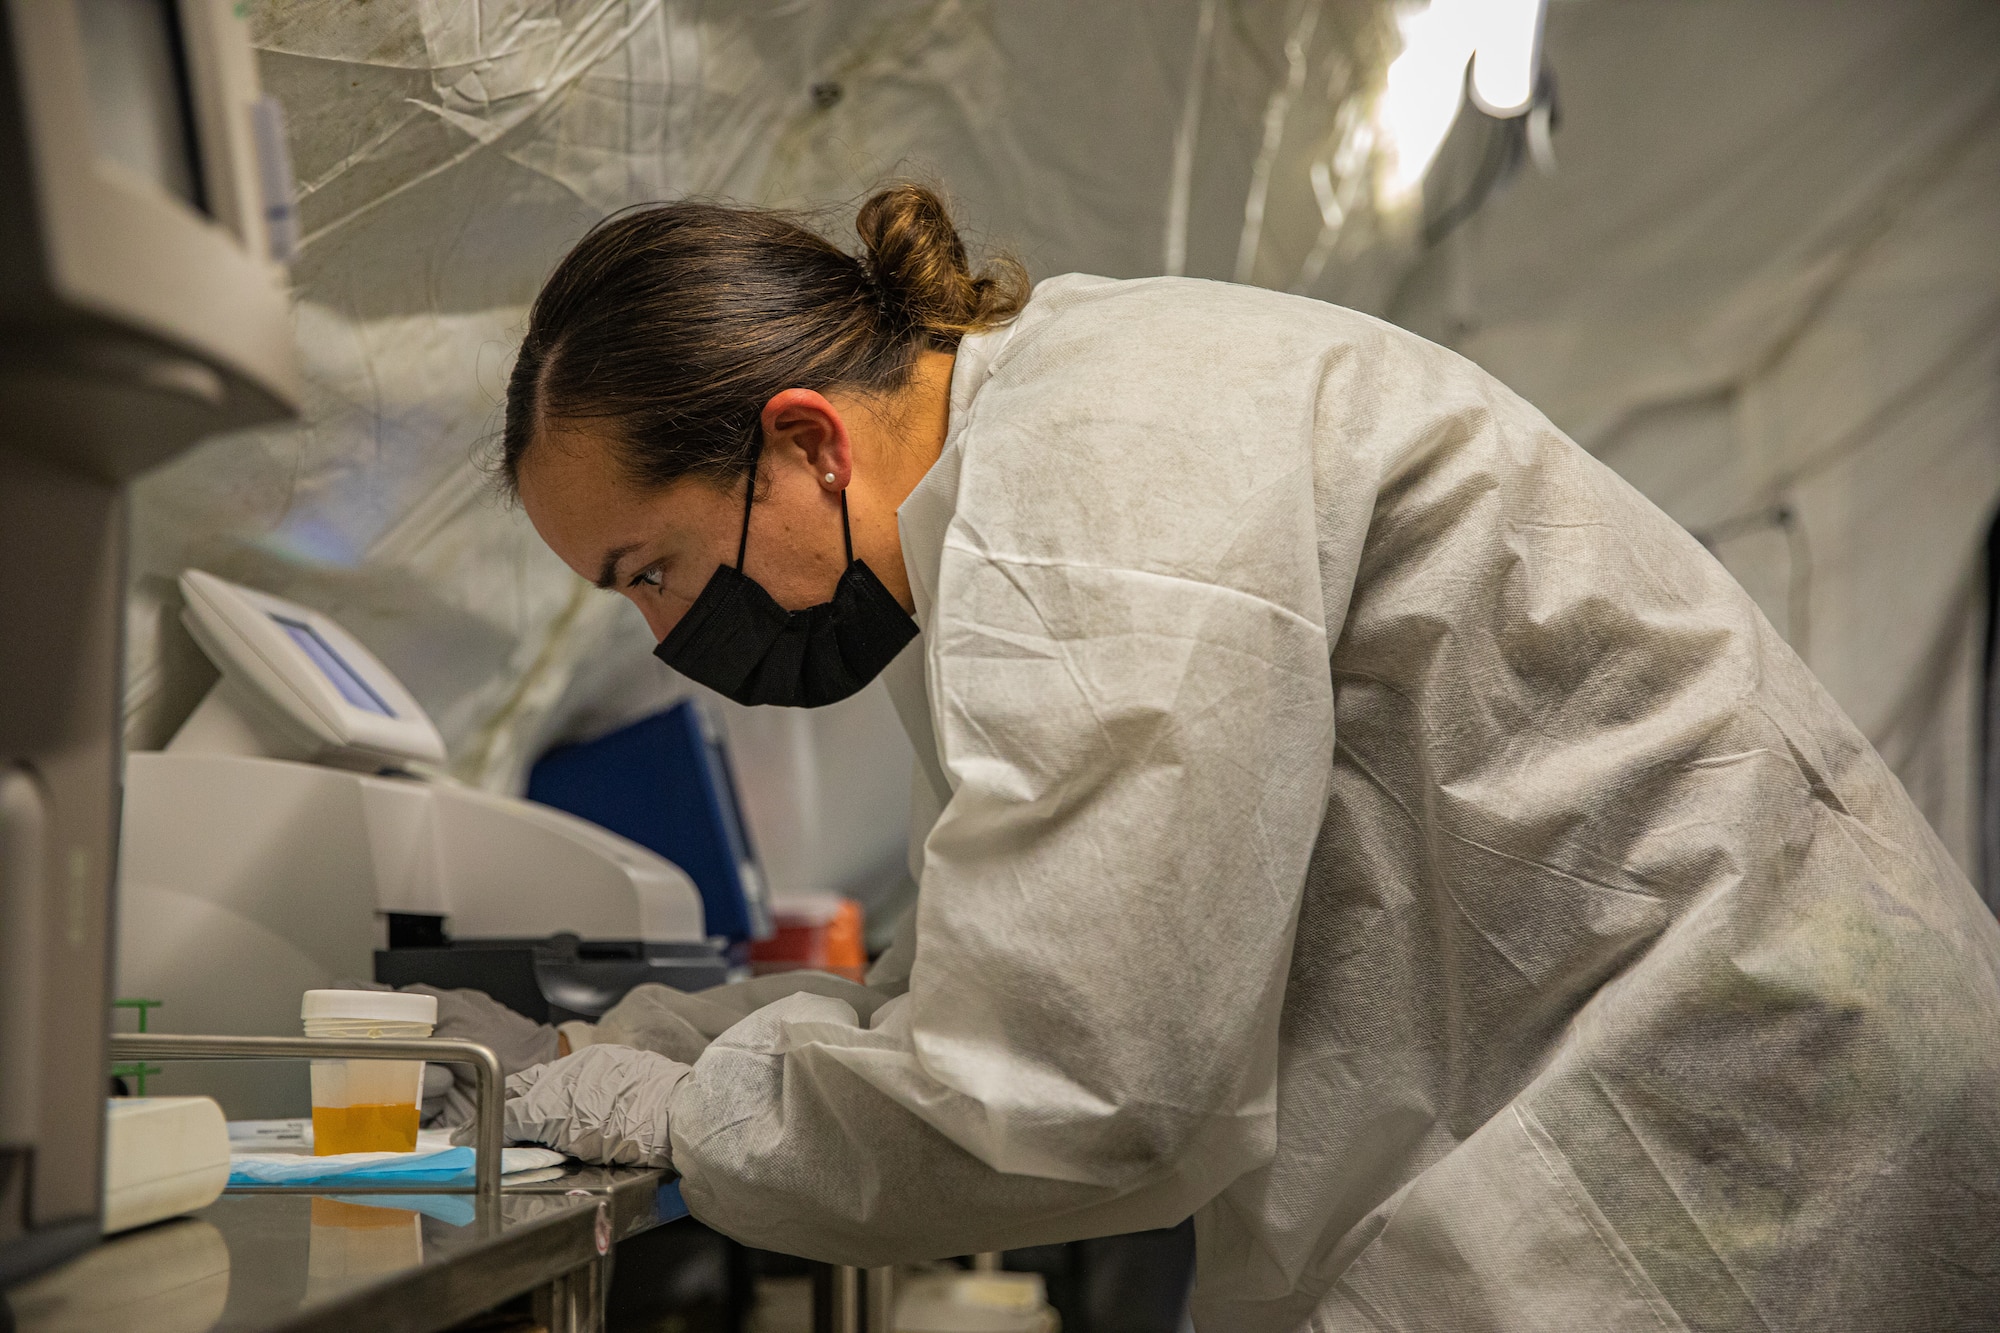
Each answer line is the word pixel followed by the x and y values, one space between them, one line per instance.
pixel 247 878
pixel 295 685
pixel 144 197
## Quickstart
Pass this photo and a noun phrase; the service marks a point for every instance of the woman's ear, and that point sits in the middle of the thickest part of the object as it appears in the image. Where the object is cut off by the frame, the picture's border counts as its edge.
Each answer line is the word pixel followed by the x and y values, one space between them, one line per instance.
pixel 802 424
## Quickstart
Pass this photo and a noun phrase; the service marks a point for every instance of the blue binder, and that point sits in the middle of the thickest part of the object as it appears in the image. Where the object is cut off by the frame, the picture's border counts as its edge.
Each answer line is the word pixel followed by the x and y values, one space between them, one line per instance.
pixel 665 783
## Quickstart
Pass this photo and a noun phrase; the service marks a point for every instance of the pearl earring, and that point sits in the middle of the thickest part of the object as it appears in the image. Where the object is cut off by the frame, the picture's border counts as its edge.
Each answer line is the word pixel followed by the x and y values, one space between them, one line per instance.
pixel 829 479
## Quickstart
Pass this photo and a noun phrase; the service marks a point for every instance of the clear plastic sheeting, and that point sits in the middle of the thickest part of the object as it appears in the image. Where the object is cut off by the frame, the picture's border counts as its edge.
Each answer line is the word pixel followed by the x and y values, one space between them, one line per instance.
pixel 1214 130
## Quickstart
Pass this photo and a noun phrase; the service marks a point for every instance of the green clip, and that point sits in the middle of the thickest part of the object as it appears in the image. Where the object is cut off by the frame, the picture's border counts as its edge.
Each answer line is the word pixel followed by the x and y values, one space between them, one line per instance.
pixel 136 1072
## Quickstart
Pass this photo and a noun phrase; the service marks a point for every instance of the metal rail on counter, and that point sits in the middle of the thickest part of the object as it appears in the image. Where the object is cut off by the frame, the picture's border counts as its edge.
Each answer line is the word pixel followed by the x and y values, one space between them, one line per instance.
pixel 489 1103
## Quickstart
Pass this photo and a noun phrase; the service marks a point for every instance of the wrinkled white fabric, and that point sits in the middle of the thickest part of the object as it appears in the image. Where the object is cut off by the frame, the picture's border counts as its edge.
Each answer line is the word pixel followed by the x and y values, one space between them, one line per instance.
pixel 603 1103
pixel 679 1024
pixel 1375 829
pixel 1777 313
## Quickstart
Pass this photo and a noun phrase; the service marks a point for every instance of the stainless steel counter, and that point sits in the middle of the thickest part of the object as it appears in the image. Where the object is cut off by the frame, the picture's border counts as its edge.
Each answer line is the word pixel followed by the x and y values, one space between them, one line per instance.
pixel 387 1263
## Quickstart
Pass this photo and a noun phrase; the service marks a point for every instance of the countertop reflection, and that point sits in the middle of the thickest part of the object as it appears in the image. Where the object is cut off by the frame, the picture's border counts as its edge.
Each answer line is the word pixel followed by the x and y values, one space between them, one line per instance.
pixel 297 1262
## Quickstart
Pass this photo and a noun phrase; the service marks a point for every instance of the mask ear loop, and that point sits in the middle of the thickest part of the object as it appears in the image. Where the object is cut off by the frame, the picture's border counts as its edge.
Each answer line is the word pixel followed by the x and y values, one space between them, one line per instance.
pixel 749 494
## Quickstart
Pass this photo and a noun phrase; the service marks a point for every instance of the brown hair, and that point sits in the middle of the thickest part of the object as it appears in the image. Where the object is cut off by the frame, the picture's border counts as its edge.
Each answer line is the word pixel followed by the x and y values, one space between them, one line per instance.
pixel 676 323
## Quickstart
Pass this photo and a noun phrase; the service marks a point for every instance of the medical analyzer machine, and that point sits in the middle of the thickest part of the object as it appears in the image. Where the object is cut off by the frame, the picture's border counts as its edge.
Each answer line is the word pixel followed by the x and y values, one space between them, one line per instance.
pixel 297 828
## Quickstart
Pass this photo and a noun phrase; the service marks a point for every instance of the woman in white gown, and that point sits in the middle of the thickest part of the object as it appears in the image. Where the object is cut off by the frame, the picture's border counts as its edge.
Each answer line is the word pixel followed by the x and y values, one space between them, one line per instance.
pixel 1348 813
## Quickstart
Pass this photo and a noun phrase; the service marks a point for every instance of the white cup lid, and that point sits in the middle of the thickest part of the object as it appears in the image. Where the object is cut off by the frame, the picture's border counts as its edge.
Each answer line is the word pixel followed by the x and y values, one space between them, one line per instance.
pixel 385 1006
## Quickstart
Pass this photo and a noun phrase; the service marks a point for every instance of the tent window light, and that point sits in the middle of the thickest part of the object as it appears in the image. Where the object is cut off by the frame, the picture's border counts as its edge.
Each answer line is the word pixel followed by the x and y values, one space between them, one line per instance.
pixel 1421 94
pixel 1505 64
pixel 1426 81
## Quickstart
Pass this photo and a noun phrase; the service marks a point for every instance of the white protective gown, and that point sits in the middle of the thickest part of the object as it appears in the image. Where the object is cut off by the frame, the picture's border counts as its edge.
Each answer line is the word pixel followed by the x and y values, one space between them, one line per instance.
pixel 1370 826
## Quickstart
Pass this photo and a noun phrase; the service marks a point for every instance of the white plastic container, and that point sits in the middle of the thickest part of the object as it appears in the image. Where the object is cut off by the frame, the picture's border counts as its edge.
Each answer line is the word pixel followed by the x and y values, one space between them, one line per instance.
pixel 974 1303
pixel 366 1105
pixel 163 1156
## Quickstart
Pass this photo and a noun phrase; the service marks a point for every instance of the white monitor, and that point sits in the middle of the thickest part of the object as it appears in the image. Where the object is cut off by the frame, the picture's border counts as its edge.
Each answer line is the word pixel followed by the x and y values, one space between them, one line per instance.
pixel 149 207
pixel 295 685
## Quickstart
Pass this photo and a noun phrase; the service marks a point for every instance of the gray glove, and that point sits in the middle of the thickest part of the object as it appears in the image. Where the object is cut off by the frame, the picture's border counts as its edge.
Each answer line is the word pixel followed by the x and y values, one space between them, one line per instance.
pixel 679 1025
pixel 604 1104
pixel 472 1015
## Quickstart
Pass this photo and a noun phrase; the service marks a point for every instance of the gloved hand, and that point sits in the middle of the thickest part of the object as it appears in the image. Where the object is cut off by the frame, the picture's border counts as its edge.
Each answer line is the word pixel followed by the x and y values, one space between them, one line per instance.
pixel 471 1015
pixel 680 1025
pixel 605 1104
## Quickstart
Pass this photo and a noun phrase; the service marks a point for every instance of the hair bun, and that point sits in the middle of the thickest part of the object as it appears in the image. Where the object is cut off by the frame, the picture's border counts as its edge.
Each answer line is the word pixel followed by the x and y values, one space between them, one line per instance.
pixel 918 263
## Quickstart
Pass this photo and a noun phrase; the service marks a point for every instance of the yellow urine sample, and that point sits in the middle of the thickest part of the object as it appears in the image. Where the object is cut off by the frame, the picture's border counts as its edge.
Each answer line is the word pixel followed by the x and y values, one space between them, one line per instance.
pixel 390 1127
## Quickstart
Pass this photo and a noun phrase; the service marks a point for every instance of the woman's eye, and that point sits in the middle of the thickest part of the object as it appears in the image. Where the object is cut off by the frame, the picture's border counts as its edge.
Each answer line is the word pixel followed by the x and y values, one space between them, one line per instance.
pixel 649 578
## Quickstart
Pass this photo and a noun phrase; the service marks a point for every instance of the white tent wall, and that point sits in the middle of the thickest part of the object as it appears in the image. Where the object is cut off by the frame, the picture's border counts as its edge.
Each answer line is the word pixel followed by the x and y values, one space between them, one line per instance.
pixel 1754 282
pixel 1764 285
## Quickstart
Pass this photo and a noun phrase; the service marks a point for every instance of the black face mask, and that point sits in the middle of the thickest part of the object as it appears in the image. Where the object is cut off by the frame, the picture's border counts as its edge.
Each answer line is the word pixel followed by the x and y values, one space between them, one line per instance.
pixel 738 641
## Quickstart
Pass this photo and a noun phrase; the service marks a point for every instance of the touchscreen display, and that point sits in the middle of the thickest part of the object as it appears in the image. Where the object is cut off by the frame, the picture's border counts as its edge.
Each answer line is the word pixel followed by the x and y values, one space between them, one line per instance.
pixel 334 667
pixel 140 110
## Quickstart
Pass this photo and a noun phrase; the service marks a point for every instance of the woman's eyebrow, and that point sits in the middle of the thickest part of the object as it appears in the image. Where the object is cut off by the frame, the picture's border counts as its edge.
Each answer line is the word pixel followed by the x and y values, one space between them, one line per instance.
pixel 607 573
